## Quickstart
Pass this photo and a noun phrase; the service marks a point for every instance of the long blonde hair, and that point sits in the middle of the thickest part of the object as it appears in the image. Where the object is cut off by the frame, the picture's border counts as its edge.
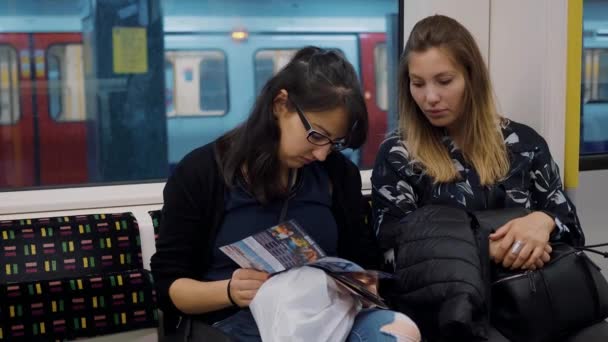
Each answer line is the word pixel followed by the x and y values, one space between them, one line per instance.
pixel 483 145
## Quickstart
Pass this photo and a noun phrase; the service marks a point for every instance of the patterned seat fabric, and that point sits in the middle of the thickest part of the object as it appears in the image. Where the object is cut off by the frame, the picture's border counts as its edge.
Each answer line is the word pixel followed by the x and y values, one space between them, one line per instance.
pixel 70 277
pixel 155 215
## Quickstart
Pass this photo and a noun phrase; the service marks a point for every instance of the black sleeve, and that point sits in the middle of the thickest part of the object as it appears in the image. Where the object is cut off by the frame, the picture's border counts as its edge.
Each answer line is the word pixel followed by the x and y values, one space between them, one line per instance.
pixel 548 196
pixel 368 254
pixel 181 243
pixel 393 197
pixel 357 241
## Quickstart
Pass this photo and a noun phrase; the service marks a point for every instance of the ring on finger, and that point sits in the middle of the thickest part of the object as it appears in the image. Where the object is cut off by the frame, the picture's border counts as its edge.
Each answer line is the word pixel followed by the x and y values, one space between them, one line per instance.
pixel 517 246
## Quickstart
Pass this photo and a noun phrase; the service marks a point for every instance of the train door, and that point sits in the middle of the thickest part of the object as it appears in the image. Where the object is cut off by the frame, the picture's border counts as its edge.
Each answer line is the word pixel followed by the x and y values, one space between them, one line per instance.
pixel 375 80
pixel 224 74
pixel 60 107
pixel 17 151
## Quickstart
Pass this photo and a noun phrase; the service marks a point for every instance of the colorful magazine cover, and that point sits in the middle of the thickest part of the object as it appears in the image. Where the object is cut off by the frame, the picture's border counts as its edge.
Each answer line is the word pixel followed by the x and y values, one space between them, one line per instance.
pixel 287 245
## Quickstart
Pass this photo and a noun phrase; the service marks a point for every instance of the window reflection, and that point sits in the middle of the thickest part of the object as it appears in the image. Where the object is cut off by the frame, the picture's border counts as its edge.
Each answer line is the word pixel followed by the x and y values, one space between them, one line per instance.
pixel 94 92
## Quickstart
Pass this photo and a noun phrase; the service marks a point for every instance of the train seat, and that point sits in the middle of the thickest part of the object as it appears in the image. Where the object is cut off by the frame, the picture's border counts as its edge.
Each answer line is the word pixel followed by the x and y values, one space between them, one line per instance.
pixel 167 323
pixel 72 277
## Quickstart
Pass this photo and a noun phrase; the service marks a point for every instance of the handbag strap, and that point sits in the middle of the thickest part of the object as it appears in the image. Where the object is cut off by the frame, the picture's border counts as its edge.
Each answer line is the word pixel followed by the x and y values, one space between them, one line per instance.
pixel 591 249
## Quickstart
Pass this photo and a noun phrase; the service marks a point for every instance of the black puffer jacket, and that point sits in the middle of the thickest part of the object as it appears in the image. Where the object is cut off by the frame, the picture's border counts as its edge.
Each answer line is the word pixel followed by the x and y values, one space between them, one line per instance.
pixel 439 277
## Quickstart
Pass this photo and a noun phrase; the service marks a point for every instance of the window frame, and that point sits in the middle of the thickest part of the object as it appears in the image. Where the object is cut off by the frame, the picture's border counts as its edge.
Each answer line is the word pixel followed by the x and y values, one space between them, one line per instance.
pixel 201 113
pixel 255 56
pixel 17 88
pixel 61 80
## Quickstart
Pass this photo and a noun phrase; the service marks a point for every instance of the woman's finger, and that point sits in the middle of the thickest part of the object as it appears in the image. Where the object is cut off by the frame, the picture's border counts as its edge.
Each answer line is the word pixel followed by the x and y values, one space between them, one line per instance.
pixel 538 252
pixel 522 256
pixel 539 263
pixel 503 247
pixel 500 232
pixel 545 257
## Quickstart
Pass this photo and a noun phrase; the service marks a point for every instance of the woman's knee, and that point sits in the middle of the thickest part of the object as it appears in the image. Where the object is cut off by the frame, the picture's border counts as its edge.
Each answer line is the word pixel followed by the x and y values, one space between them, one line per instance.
pixel 384 325
pixel 402 328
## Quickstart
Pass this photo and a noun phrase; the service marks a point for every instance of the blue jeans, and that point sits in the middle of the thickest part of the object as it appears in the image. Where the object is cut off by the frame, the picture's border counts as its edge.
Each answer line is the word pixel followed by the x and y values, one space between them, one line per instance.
pixel 371 325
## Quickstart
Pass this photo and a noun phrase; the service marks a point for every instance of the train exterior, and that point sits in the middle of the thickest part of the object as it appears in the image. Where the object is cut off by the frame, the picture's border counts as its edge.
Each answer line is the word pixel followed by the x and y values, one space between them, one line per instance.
pixel 214 68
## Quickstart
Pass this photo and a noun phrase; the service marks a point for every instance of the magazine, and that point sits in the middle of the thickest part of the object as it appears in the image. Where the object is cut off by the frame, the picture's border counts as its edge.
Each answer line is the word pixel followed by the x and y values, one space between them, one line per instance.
pixel 286 245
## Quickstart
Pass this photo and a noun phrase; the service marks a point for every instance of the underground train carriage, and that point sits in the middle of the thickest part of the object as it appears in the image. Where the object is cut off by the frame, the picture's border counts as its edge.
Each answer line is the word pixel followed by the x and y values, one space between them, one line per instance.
pixel 81 276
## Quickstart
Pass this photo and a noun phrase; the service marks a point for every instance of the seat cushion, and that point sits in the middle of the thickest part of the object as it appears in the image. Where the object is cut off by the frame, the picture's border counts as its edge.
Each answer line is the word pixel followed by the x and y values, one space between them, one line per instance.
pixel 70 246
pixel 73 276
pixel 78 307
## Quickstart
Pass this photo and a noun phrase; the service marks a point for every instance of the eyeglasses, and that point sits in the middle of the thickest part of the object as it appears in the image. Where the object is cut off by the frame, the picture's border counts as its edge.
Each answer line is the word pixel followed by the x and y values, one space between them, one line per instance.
pixel 317 138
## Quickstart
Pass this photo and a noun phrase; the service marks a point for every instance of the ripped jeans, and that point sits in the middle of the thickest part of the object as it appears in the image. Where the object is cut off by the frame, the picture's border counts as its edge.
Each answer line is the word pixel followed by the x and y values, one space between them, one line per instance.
pixel 371 325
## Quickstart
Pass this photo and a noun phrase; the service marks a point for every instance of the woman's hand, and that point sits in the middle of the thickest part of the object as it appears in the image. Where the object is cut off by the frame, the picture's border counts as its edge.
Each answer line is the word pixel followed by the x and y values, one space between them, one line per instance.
pixel 370 280
pixel 538 264
pixel 522 242
pixel 244 285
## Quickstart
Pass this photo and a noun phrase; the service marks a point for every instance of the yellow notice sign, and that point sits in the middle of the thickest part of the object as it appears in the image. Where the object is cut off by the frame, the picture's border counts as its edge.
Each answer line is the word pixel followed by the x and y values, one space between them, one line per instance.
pixel 130 47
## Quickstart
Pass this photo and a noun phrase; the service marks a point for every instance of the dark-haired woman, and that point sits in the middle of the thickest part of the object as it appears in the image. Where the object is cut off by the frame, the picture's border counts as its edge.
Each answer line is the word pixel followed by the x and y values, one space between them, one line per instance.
pixel 239 185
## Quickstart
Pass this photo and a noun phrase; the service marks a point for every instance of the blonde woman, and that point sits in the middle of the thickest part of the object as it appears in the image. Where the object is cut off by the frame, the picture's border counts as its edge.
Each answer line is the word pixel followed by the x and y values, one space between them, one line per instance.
pixel 453 148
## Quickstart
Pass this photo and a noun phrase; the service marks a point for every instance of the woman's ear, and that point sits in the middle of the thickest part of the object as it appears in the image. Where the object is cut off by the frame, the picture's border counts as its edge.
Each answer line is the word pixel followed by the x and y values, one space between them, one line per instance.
pixel 280 103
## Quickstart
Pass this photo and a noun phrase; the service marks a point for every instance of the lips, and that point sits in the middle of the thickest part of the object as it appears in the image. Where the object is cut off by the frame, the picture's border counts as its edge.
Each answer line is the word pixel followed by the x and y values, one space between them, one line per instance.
pixel 436 113
pixel 306 160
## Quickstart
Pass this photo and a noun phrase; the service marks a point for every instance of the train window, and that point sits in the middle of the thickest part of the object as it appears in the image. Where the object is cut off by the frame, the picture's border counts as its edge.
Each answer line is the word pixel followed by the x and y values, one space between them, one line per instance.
pixel 213 84
pixel 203 95
pixel 154 85
pixel 594 96
pixel 169 88
pixel 381 70
pixel 10 111
pixel 65 76
pixel 269 62
pixel 54 86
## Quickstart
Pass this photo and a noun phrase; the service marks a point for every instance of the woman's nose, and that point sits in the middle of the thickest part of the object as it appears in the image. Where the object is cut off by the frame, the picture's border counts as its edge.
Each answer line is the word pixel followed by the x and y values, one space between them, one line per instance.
pixel 432 96
pixel 321 152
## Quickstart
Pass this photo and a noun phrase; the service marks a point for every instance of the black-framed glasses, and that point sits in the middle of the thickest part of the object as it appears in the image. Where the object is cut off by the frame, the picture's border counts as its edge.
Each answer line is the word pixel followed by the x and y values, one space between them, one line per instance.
pixel 317 138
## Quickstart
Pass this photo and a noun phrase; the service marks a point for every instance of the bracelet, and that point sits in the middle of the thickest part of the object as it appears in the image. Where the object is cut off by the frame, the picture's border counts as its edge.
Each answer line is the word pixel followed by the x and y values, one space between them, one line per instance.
pixel 229 295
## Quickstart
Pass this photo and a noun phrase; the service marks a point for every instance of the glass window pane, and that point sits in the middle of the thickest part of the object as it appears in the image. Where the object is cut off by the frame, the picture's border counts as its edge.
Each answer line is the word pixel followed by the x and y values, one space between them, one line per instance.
pixel 197 96
pixel 9 86
pixel 381 70
pixel 213 83
pixel 594 79
pixel 169 87
pixel 268 63
pixel 65 76
pixel 108 93
pixel 54 85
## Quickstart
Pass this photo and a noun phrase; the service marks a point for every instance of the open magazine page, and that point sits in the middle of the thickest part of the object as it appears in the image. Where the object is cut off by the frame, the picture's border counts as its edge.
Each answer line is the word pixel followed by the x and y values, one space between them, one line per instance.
pixel 276 249
pixel 287 245
pixel 353 278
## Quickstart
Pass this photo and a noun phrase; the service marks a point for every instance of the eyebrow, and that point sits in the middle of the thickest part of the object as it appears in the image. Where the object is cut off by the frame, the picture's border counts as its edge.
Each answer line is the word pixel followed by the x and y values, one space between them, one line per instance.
pixel 441 74
pixel 326 132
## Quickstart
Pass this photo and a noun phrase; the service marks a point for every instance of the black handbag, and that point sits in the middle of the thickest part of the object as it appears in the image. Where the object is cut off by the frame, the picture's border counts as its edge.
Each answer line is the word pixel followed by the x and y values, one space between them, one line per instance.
pixel 569 293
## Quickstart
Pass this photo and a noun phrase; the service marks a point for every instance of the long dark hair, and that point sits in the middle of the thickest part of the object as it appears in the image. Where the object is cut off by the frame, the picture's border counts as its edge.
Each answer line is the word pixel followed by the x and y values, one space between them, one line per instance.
pixel 317 80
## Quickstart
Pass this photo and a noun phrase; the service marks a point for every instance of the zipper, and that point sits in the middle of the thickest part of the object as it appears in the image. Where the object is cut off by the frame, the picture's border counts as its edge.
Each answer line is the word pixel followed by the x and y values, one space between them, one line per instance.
pixel 529 274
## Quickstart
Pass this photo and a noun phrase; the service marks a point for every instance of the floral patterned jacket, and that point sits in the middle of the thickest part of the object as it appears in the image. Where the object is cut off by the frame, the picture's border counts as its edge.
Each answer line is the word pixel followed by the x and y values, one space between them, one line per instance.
pixel 399 186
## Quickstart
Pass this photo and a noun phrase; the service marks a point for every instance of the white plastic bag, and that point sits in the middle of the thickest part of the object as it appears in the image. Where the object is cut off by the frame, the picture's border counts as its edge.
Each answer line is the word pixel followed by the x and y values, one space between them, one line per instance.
pixel 303 304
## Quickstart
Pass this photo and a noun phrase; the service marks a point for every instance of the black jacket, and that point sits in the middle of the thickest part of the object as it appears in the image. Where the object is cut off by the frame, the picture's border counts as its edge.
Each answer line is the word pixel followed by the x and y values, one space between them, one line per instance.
pixel 439 277
pixel 193 211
